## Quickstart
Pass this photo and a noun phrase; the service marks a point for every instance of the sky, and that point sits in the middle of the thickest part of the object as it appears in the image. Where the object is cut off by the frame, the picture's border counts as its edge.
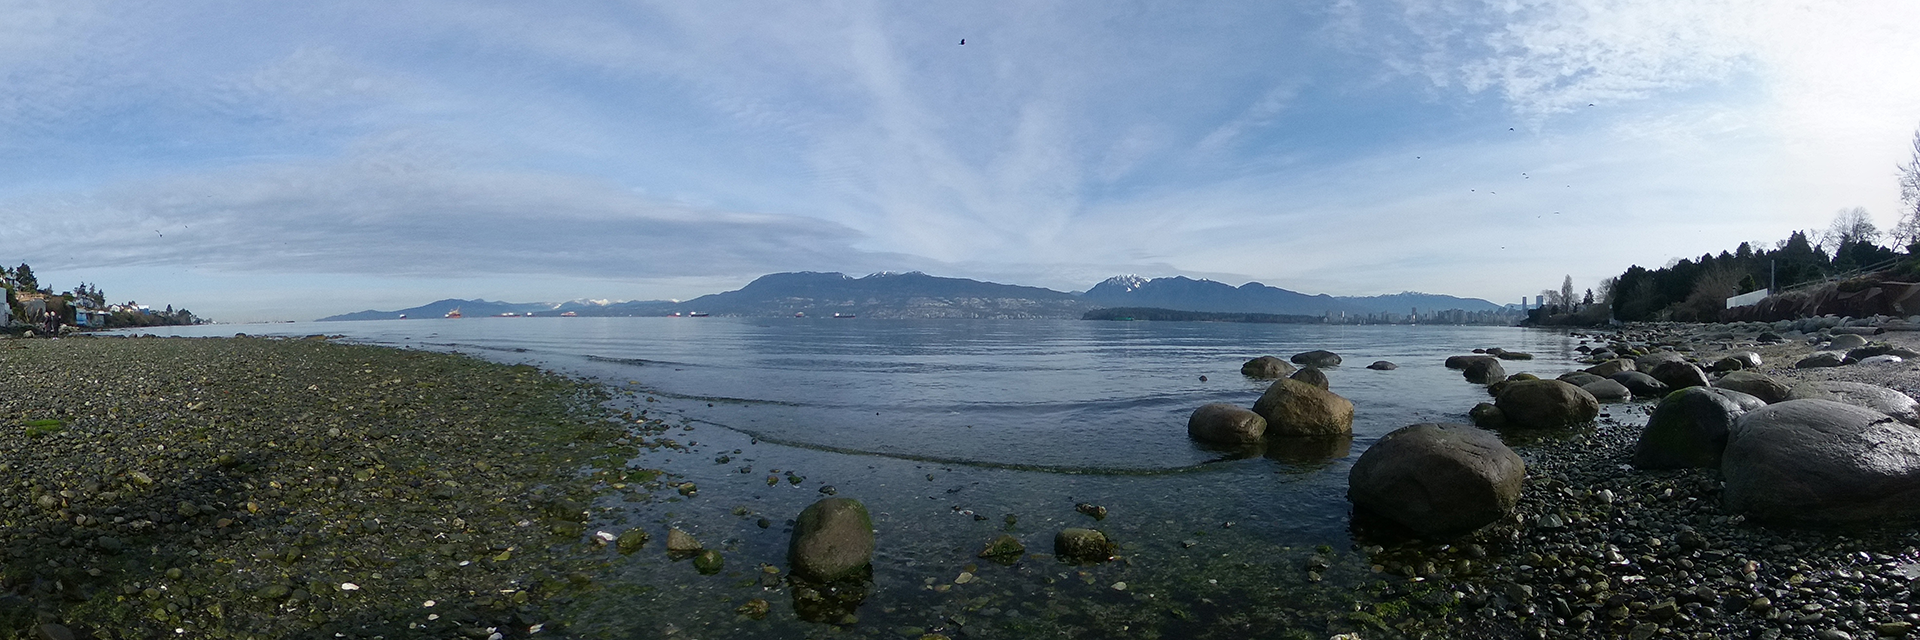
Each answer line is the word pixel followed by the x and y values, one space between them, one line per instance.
pixel 286 161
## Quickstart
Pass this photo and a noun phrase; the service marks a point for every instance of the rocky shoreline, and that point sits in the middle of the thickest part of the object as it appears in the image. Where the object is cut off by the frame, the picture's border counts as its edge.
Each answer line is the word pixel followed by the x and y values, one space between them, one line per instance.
pixel 1597 548
pixel 287 488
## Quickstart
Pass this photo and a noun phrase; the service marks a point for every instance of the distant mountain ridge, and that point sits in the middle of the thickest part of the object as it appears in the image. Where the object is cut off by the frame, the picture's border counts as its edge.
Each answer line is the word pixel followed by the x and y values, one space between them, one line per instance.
pixel 918 295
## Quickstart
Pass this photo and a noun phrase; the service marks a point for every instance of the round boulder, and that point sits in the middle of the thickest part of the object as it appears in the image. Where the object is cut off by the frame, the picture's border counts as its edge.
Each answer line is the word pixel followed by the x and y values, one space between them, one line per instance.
pixel 1440 480
pixel 1546 404
pixel 832 539
pixel 1820 360
pixel 1487 416
pixel 1606 390
pixel 1846 341
pixel 1266 368
pixel 1225 423
pixel 1317 358
pixel 1754 383
pixel 1821 462
pixel 1877 398
pixel 1579 378
pixel 1679 375
pixel 1382 365
pixel 1461 362
pixel 1486 371
pixel 1609 368
pixel 1295 408
pixel 1313 376
pixel 1641 384
pixel 1689 428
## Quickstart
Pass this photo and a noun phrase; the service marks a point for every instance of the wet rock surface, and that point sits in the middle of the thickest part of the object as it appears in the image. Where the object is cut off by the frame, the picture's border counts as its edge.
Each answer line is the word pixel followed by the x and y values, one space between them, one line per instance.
pixel 252 488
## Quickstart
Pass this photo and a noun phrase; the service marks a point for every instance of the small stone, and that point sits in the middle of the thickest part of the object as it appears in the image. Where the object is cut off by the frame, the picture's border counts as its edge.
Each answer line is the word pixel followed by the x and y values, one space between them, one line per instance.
pixel 681 544
pixel 1892 629
pixel 1096 511
pixel 755 608
pixel 631 540
pixel 1831 633
pixel 1643 631
pixel 708 562
pixel 1005 547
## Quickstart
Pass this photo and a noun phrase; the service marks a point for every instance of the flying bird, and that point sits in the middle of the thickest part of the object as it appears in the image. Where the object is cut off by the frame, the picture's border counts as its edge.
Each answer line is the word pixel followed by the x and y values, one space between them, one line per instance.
pixel 963 41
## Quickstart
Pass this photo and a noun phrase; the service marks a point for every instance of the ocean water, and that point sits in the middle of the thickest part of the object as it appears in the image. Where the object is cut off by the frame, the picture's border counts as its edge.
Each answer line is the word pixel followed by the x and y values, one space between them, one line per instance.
pixel 954 432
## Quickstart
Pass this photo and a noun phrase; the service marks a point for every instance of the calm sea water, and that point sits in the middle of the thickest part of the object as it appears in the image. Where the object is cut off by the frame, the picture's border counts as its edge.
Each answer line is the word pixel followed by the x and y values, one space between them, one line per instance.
pixel 947 427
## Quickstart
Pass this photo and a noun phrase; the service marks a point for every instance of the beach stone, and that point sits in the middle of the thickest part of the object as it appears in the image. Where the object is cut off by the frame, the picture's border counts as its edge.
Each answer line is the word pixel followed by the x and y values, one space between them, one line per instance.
pixel 1641 384
pixel 681 544
pixel 1738 361
pixel 1440 480
pixel 1680 375
pixel 1606 390
pixel 1225 423
pixel 1877 398
pixel 1382 365
pixel 1819 360
pixel 1313 376
pixel 1082 546
pixel 1754 383
pixel 1485 371
pixel 1487 416
pixel 1004 547
pixel 1546 404
pixel 1882 349
pixel 1609 368
pixel 1886 359
pixel 1579 378
pixel 1461 362
pixel 1317 358
pixel 1845 341
pixel 1266 368
pixel 1822 462
pixel 709 562
pixel 832 539
pixel 1647 363
pixel 1689 428
pixel 1295 408
pixel 1513 355
pixel 631 540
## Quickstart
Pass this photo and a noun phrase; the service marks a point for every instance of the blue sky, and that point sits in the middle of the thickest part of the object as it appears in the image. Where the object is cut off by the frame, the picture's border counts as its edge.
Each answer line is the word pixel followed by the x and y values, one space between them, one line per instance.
pixel 282 161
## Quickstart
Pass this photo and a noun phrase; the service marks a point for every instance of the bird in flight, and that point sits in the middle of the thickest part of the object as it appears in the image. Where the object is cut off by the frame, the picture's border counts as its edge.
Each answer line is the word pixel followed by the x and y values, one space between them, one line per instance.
pixel 963 41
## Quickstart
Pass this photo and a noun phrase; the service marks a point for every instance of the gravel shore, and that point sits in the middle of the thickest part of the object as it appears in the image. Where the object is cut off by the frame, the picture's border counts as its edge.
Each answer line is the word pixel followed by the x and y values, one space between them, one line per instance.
pixel 256 488
pixel 1599 549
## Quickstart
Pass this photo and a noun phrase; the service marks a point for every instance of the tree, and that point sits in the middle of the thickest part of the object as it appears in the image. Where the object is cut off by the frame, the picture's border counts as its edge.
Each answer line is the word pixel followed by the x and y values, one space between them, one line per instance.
pixel 23 275
pixel 1906 232
pixel 1849 226
pixel 1566 293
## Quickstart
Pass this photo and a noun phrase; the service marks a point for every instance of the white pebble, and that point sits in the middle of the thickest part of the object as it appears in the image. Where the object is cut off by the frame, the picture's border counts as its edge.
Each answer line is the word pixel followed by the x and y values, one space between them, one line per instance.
pixel 348 586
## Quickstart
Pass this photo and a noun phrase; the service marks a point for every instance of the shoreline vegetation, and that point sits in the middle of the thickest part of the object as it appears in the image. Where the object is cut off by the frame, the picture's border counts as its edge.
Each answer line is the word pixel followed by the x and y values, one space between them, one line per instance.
pixel 284 488
pixel 268 488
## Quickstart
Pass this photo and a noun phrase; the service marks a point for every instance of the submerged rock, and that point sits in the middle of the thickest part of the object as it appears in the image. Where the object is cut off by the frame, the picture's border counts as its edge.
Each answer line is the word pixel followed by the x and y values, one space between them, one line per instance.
pixel 1295 408
pixel 681 544
pixel 1317 358
pixel 832 540
pixel 1005 548
pixel 1440 480
pixel 1083 546
pixel 1266 368
pixel 1382 365
pixel 1226 424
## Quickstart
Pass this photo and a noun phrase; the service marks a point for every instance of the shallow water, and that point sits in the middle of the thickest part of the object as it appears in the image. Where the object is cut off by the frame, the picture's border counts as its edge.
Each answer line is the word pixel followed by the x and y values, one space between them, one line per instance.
pixel 944 428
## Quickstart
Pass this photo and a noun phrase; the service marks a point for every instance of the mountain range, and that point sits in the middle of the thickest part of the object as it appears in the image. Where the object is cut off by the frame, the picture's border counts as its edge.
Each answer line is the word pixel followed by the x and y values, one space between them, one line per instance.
pixel 918 295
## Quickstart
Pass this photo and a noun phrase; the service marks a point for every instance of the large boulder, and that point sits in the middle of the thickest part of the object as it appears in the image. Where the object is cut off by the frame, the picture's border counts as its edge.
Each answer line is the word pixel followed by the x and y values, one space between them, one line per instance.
pixel 1609 368
pixel 1486 371
pixel 1877 398
pixel 1689 428
pixel 1606 390
pixel 1313 376
pixel 1680 375
pixel 1266 368
pixel 1647 363
pixel 832 540
pixel 1846 341
pixel 1084 546
pixel 1317 358
pixel 1225 423
pixel 1546 404
pixel 1821 360
pixel 1822 462
pixel 1440 480
pixel 1754 383
pixel 1641 384
pixel 1295 408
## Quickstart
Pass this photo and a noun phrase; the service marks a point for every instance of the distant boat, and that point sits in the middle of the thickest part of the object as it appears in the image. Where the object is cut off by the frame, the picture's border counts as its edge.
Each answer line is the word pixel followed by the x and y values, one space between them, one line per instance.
pixel 454 313
pixel 569 314
pixel 843 315
pixel 676 314
pixel 799 314
pixel 697 314
pixel 508 314
pixel 403 316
